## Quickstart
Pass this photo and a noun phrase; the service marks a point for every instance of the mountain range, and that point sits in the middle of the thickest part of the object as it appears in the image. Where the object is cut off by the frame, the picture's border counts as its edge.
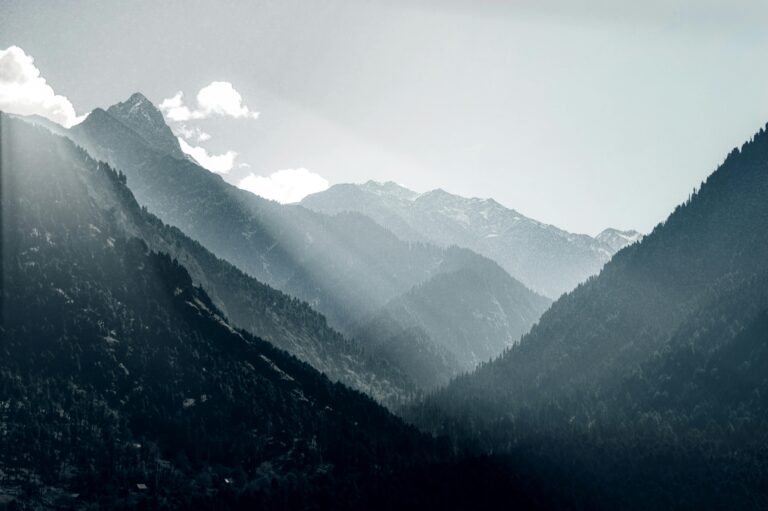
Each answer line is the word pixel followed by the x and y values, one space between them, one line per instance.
pixel 169 340
pixel 471 311
pixel 345 265
pixel 288 323
pixel 665 348
pixel 544 258
pixel 122 382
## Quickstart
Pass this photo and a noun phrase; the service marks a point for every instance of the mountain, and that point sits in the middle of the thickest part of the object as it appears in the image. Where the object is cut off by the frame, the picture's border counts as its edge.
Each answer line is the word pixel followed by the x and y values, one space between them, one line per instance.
pixel 546 259
pixel 39 120
pixel 123 385
pixel 139 114
pixel 286 322
pixel 118 371
pixel 345 266
pixel 617 239
pixel 651 371
pixel 471 311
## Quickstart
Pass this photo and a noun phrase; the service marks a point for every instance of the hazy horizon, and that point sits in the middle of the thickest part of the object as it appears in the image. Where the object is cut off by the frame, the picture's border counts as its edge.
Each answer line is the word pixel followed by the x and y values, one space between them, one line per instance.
pixel 580 117
pixel 199 311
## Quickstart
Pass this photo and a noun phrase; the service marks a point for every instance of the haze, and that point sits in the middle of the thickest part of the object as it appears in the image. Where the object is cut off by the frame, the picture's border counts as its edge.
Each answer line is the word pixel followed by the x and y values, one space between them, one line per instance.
pixel 583 117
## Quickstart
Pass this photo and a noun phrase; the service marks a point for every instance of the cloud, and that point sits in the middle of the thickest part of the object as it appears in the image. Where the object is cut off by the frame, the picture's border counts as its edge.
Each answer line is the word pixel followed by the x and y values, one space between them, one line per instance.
pixel 174 108
pixel 285 186
pixel 23 91
pixel 192 133
pixel 221 98
pixel 218 163
pixel 216 98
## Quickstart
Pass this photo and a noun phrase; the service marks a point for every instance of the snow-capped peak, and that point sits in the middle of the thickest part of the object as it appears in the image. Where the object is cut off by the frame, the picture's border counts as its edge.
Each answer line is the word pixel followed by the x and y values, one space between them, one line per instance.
pixel 617 239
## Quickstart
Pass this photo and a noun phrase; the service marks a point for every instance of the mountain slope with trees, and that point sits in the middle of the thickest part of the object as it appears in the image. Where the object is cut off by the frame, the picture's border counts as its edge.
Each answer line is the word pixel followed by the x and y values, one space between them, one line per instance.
pixel 118 371
pixel 665 349
pixel 288 323
pixel 335 264
pixel 345 266
pixel 122 385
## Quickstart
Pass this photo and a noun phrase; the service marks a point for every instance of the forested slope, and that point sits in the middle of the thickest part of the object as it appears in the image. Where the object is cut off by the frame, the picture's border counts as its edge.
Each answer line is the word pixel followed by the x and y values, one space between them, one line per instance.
pixel 657 364
pixel 117 370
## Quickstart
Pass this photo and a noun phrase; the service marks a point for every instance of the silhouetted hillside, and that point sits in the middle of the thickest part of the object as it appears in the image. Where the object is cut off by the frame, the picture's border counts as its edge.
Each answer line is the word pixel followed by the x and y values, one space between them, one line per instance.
pixel 658 363
pixel 118 371
pixel 286 322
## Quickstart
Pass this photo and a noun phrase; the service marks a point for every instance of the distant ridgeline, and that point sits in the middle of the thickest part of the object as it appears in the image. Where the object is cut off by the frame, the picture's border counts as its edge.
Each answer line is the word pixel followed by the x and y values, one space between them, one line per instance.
pixel 117 370
pixel 546 259
pixel 648 384
pixel 286 322
pixel 346 266
pixel 123 385
pixel 468 313
pixel 132 364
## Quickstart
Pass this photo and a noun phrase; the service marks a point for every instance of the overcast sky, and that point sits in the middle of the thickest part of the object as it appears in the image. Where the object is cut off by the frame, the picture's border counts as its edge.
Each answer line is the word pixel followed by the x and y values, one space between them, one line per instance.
pixel 583 115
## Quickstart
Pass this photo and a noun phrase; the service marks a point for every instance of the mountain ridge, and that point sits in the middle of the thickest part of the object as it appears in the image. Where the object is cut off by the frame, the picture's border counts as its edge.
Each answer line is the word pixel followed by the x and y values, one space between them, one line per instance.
pixel 545 258
pixel 128 383
pixel 618 239
pixel 345 266
pixel 704 257
pixel 139 114
pixel 648 380
pixel 470 312
pixel 285 321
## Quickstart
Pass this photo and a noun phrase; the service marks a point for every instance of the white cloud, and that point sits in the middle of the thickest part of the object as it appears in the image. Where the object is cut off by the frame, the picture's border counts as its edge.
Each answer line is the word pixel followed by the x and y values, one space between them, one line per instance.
pixel 174 108
pixel 285 186
pixel 216 98
pixel 221 98
pixel 192 133
pixel 23 91
pixel 218 163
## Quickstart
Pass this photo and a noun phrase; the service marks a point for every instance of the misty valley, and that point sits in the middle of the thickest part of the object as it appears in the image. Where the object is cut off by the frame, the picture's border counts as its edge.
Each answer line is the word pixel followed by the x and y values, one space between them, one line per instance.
pixel 172 339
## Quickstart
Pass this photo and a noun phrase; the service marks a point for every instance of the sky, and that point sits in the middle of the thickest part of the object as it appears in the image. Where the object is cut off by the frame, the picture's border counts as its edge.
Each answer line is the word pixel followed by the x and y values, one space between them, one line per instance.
pixel 585 115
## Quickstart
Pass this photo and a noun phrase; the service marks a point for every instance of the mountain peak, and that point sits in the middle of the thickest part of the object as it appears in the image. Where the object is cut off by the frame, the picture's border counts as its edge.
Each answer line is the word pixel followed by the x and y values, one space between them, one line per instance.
pixel 136 105
pixel 137 97
pixel 437 193
pixel 97 116
pixel 143 117
pixel 389 188
pixel 617 239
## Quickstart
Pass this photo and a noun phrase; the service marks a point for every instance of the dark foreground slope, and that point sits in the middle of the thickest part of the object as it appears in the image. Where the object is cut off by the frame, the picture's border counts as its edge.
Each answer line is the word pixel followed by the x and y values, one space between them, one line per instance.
pixel 115 370
pixel 288 323
pixel 649 381
pixel 123 386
